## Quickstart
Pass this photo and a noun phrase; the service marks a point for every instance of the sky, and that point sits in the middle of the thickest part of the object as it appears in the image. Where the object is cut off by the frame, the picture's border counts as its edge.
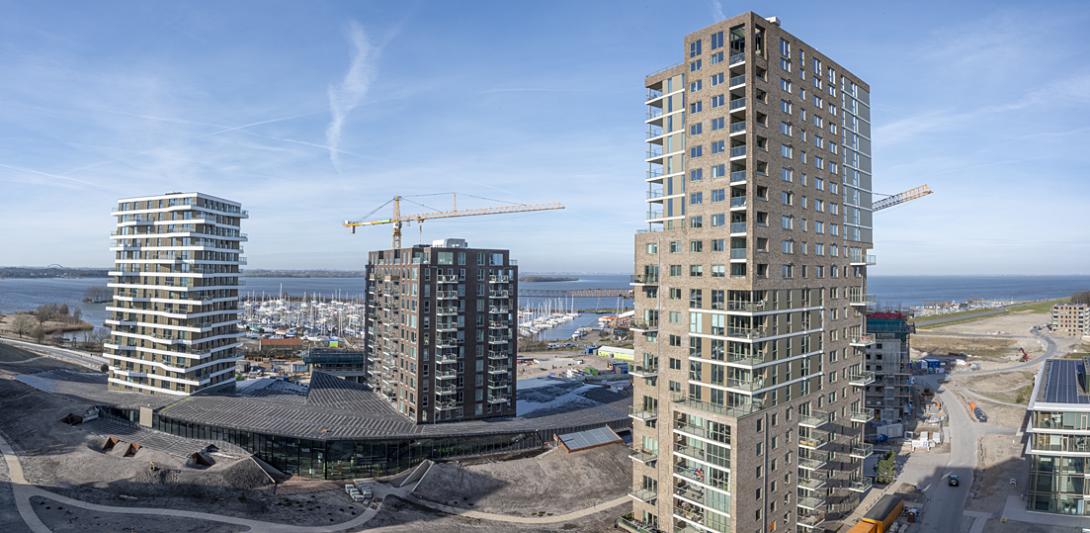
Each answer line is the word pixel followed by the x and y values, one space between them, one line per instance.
pixel 311 113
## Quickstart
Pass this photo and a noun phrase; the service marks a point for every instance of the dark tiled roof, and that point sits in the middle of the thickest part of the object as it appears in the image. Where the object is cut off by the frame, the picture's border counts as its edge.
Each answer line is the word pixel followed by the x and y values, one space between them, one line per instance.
pixel 337 409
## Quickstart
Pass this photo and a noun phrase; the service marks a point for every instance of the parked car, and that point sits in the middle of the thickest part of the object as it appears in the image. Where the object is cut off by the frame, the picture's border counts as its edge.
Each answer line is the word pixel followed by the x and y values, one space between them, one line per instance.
pixel 953 480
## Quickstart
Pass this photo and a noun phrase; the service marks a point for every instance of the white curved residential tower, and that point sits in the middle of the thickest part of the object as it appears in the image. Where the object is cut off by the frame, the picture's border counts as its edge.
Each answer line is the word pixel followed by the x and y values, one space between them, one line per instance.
pixel 174 312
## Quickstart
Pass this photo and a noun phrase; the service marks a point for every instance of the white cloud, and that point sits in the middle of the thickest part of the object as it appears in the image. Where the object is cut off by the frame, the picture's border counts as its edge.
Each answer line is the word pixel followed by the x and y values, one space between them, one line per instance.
pixel 717 10
pixel 347 95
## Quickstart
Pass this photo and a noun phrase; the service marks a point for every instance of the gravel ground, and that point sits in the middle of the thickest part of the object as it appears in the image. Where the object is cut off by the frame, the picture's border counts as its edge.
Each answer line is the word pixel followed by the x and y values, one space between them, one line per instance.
pixel 1000 460
pixel 400 516
pixel 516 487
pixel 63 519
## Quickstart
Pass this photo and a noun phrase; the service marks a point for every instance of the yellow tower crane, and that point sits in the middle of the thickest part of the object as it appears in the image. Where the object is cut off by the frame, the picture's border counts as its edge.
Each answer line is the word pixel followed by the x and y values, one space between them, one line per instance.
pixel 397 219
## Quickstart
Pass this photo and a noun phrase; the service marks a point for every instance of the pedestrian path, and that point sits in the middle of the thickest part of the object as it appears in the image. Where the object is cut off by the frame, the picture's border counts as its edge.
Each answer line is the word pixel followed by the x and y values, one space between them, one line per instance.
pixel 1015 509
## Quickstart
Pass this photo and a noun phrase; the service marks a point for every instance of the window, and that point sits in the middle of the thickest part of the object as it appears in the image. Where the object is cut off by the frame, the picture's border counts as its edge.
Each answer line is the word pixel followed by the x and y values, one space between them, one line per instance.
pixel 788 198
pixel 718 100
pixel 696 198
pixel 719 271
pixel 787 247
pixel 819 227
pixel 696 271
pixel 696 174
pixel 785 85
pixel 785 128
pixel 785 106
pixel 696 129
pixel 717 40
pixel 787 222
pixel 785 64
pixel 695 86
pixel 787 174
pixel 787 151
pixel 718 220
pixel 694 66
pixel 718 195
pixel 696 246
pixel 696 151
pixel 785 48
pixel 719 245
pixel 787 271
pixel 694 48
pixel 696 107
pixel 720 170
pixel 718 123
pixel 819 184
pixel 718 146
pixel 717 79
pixel 696 222
pixel 717 57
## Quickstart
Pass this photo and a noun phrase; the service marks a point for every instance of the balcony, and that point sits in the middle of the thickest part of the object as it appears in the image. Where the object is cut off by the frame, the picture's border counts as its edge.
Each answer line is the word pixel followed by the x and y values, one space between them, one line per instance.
pixel 499 295
pixel 862 451
pixel 738 151
pixel 748 358
pixel 654 94
pixel 738 254
pixel 863 259
pixel 645 279
pixel 656 195
pixel 499 339
pixel 813 442
pixel 701 455
pixel 737 59
pixel 863 340
pixel 498 399
pixel 811 483
pixel 644 495
pixel 447 406
pixel 699 475
pixel 644 371
pixel 645 326
pixel 746 384
pixel 861 379
pixel 445 391
pixel 498 355
pixel 499 309
pixel 737 228
pixel 815 419
pixel 446 342
pixel 643 415
pixel 737 128
pixel 443 375
pixel 446 359
pixel 496 324
pixel 737 103
pixel 860 486
pixel 631 525
pixel 812 464
pixel 446 295
pixel 811 503
pixel 745 332
pixel 654 152
pixel 811 520
pixel 738 202
pixel 747 408
pixel 860 299
pixel 447 327
pixel 498 369
pixel 863 416
pixel 737 81
pixel 446 278
pixel 644 457
pixel 737 176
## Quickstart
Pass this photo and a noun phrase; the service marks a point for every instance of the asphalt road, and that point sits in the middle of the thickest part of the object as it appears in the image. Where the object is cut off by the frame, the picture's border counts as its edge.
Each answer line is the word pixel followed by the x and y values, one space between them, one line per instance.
pixel 84 359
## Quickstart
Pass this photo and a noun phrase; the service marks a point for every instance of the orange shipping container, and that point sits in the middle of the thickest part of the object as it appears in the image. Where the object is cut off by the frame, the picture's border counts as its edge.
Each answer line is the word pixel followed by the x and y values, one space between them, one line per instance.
pixel 864 527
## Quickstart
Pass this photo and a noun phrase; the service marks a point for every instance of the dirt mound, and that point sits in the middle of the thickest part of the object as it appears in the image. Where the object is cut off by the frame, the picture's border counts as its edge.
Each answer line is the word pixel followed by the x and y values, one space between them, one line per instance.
pixel 247 475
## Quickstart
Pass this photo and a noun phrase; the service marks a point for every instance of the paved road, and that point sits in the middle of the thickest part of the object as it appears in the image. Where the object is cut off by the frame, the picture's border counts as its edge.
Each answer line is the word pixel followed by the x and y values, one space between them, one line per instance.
pixel 84 359
pixel 943 320
pixel 945 505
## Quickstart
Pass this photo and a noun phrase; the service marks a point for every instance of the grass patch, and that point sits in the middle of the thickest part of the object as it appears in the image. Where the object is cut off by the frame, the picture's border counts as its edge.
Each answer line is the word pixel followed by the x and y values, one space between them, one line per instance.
pixel 1022 396
pixel 1043 306
pixel 972 315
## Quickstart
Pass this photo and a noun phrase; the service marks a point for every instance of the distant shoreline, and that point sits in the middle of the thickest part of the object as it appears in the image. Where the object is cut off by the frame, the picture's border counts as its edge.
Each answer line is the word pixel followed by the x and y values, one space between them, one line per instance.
pixel 547 279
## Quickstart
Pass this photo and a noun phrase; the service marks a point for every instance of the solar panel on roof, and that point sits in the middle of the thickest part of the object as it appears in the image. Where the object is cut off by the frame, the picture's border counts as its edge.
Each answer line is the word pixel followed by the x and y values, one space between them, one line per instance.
pixel 581 440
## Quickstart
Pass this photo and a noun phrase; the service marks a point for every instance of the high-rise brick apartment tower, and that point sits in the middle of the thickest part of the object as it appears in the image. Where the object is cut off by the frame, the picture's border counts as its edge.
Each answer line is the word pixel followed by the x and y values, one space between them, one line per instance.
pixel 751 287
pixel 174 314
pixel 440 330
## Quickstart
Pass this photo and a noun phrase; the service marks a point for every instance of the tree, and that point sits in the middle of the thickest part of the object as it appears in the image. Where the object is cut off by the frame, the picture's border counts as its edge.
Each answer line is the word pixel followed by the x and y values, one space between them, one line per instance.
pixel 104 368
pixel 23 324
pixel 886 469
pixel 38 333
pixel 77 314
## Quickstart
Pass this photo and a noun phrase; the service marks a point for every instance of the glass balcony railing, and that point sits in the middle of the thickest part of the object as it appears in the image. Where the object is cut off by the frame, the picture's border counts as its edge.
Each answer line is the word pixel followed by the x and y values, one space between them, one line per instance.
pixel 737 176
pixel 654 93
pixel 738 201
pixel 654 152
pixel 738 410
pixel 654 112
pixel 737 227
pixel 737 80
pixel 737 253
pixel 737 58
pixel 815 419
pixel 738 151
pixel 861 379
pixel 642 414
pixel 738 127
pixel 737 103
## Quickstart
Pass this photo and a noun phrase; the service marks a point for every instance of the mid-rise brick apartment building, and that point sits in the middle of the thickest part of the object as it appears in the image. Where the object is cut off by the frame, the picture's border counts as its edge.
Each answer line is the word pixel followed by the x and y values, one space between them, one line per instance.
pixel 1071 320
pixel 440 334
pixel 174 312
pixel 751 287
pixel 889 398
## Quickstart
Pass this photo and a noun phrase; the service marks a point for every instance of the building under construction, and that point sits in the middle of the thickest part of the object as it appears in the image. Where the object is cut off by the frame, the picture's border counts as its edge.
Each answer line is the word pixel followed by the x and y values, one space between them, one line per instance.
pixel 439 332
pixel 890 396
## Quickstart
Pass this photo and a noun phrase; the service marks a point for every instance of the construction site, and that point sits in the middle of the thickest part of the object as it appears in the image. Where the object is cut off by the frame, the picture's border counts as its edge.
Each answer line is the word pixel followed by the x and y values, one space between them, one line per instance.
pixel 80 467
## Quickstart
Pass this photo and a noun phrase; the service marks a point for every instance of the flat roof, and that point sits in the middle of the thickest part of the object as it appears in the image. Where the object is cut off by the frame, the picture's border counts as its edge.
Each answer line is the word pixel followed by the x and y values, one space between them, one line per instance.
pixel 1062 382
pixel 589 438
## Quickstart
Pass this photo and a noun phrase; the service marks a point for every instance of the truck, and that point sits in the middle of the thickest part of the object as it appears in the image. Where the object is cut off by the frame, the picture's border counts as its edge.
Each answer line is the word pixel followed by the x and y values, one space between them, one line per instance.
pixel 881 516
